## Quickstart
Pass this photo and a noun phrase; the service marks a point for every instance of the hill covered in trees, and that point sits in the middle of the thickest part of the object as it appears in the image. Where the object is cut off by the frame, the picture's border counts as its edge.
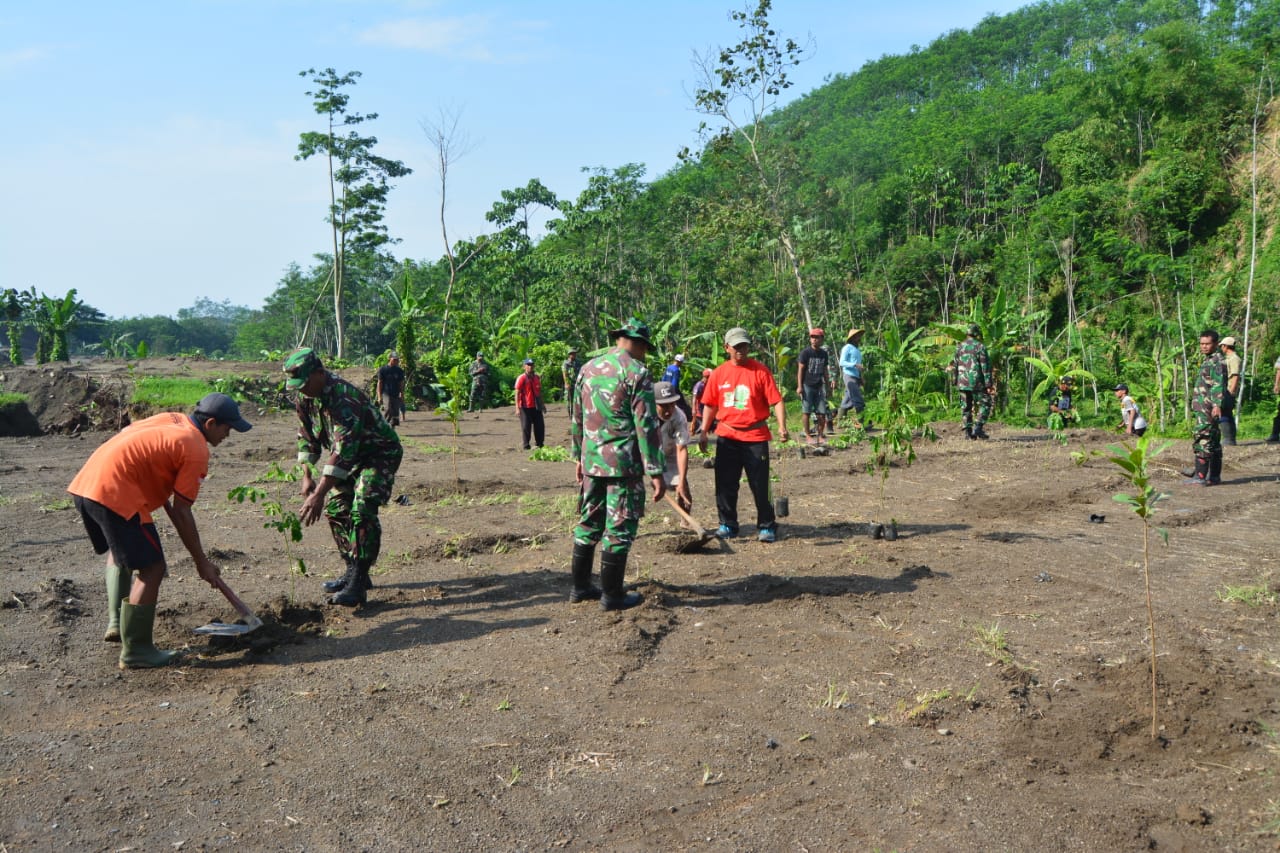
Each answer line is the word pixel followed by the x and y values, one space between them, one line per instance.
pixel 1091 180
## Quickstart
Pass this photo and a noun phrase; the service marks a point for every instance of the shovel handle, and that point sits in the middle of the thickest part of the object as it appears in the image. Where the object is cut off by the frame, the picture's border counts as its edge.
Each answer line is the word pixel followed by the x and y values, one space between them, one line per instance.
pixel 239 605
pixel 688 518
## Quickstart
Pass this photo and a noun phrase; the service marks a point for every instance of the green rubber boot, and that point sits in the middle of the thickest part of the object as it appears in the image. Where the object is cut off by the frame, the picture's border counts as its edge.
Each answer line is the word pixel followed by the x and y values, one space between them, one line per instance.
pixel 138 651
pixel 118 582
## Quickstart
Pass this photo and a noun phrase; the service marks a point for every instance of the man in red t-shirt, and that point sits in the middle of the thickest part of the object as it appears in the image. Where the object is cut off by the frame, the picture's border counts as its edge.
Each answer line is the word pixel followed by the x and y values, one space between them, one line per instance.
pixel 529 404
pixel 737 399
pixel 157 462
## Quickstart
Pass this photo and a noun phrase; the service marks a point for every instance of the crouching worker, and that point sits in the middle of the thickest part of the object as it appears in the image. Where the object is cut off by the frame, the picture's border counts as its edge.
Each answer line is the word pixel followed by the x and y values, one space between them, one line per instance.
pixel 674 429
pixel 357 476
pixel 616 445
pixel 157 462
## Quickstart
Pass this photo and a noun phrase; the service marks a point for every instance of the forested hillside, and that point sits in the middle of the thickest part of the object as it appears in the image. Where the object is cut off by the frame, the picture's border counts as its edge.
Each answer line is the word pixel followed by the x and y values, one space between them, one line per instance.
pixel 1080 177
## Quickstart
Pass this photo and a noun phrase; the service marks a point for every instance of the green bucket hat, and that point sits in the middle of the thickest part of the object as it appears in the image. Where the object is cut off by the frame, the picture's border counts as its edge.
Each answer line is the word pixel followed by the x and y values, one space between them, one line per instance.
pixel 300 365
pixel 634 329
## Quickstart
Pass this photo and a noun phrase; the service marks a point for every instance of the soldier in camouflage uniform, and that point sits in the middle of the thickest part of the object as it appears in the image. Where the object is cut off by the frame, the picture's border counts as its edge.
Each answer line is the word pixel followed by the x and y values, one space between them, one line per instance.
pixel 971 367
pixel 569 373
pixel 616 444
pixel 479 373
pixel 364 454
pixel 1206 405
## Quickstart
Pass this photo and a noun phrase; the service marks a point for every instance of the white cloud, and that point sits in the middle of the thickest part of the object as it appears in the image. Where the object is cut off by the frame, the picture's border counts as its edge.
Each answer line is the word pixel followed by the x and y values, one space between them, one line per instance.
pixel 14 59
pixel 454 37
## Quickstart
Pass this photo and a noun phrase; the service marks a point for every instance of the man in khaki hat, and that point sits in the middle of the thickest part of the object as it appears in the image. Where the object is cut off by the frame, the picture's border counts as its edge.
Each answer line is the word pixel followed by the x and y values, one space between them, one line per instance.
pixel 1228 419
pixel 738 397
pixel 851 369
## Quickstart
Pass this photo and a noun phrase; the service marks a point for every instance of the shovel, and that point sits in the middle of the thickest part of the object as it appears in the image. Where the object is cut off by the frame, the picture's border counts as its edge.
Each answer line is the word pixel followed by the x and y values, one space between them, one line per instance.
pixel 231 629
pixel 704 535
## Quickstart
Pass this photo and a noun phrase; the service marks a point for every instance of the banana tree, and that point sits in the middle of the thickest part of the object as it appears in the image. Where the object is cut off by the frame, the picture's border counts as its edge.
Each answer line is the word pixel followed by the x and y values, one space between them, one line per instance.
pixel 60 319
pixel 412 315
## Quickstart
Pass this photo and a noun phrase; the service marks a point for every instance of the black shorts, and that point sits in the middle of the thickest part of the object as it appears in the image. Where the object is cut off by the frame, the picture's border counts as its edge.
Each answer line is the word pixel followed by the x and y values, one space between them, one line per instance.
pixel 133 545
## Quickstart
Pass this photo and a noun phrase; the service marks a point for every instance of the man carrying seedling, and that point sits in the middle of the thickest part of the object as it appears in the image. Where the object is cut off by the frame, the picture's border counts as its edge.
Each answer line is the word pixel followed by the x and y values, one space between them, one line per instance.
pixel 1206 407
pixel 357 476
pixel 971 367
pixel 616 445
pixel 157 462
pixel 739 395
pixel 391 389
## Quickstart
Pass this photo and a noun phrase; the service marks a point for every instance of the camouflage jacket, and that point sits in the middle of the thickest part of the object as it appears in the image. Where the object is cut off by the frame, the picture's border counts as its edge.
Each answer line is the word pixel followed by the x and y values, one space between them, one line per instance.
pixel 615 421
pixel 344 420
pixel 1210 386
pixel 569 370
pixel 972 366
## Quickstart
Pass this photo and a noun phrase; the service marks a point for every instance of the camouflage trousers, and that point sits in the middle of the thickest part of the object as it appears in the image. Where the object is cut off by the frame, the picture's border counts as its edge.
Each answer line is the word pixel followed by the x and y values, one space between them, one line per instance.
pixel 1206 439
pixel 611 507
pixel 975 407
pixel 352 509
pixel 478 390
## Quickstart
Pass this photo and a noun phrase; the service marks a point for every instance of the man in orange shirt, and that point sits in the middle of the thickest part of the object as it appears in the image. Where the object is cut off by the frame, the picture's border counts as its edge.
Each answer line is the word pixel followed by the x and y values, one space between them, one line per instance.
pixel 157 462
pixel 738 398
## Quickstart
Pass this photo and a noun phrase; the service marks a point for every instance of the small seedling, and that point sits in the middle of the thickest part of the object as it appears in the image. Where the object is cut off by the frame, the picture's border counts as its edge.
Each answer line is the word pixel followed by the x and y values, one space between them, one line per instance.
pixel 1133 461
pixel 554 453
pixel 834 701
pixel 1254 595
pixel 710 777
pixel 511 780
pixel 925 701
pixel 504 705
pixel 993 641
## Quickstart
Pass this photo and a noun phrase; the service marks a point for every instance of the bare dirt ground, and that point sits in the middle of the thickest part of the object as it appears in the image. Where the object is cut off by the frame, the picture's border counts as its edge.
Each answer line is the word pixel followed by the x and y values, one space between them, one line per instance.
pixel 827 692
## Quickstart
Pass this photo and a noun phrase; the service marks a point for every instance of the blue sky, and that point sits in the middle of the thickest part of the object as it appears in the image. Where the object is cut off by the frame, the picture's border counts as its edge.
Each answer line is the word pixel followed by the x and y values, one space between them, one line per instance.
pixel 148 152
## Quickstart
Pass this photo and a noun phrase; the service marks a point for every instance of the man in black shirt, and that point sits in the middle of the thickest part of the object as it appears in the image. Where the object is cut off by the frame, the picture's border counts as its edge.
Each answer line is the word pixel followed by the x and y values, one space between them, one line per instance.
pixel 813 382
pixel 391 390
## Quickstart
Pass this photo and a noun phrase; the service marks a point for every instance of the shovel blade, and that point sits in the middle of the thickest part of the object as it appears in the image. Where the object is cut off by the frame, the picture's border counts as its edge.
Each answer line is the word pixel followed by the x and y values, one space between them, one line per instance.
pixel 229 629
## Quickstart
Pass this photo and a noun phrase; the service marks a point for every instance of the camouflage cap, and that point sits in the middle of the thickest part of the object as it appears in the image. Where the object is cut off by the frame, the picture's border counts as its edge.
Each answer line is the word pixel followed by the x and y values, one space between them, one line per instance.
pixel 974 329
pixel 300 365
pixel 635 329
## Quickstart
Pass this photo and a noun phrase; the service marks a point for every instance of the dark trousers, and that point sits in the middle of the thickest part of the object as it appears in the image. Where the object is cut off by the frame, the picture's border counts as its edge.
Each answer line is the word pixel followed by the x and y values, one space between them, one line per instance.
pixel 732 458
pixel 531 421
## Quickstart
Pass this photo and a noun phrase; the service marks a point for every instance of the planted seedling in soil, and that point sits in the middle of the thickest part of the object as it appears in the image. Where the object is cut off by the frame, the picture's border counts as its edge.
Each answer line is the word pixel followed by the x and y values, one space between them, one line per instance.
pixel 1133 461
pixel 284 521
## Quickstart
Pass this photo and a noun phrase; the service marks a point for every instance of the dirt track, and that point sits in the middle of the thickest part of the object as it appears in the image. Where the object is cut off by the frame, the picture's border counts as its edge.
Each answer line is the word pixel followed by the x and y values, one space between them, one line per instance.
pixel 825 692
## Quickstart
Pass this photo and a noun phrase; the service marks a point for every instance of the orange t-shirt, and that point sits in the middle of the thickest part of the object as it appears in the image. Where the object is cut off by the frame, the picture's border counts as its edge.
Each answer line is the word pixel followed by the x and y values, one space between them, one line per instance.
pixel 137 470
pixel 743 397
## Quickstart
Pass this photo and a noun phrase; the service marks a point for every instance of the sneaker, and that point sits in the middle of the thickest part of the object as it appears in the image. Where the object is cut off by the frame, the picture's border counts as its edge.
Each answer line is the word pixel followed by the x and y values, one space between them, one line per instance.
pixel 768 535
pixel 724 531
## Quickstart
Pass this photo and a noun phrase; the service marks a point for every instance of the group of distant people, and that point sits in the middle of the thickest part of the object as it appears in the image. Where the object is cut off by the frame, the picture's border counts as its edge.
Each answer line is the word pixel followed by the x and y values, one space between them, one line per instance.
pixel 624 428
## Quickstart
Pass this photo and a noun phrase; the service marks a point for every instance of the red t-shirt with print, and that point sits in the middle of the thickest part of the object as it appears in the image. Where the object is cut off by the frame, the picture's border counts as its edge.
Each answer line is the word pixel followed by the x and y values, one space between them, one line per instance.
pixel 743 397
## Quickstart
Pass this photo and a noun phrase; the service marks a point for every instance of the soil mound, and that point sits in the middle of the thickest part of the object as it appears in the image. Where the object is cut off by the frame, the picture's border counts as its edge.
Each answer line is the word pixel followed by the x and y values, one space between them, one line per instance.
pixel 61 401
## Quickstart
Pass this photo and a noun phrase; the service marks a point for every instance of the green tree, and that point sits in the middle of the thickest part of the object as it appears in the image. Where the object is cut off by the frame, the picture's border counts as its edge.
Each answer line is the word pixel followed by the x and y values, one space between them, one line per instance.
pixel 13 317
pixel 359 181
pixel 739 87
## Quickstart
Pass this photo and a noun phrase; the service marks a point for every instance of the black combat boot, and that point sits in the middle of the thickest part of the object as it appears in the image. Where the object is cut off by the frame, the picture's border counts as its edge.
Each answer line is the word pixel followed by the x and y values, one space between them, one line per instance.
pixel 1215 469
pixel 612 569
pixel 968 431
pixel 979 432
pixel 340 583
pixel 584 557
pixel 356 591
